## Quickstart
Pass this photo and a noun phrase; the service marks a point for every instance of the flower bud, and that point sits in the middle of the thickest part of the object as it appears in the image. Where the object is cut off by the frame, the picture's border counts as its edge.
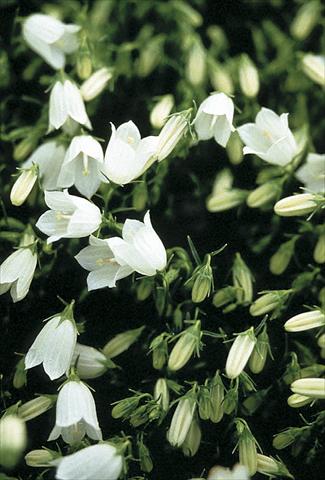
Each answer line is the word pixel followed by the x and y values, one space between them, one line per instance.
pixel 305 321
pixel 181 421
pixel 246 447
pixel 40 458
pixel 204 402
pixel 313 66
pixel 259 355
pixel 171 133
pixel 306 18
pixel 161 393
pixel 226 200
pixel 144 288
pixel 196 64
pixel 217 393
pixel 296 401
pixel 24 148
pixel 140 196
pixel 224 296
pixel 203 281
pixel 248 77
pixel 263 195
pixel 20 377
pixel 187 344
pixel 150 56
pixel 230 402
pixel 121 342
pixel 84 65
pixel 287 437
pixel 281 258
pixel 36 407
pixel 220 78
pixel 146 464
pixel 321 341
pixel 125 407
pixel 269 466
pixel 13 440
pixel 269 302
pixel 95 84
pixel 319 250
pixel 23 186
pixel 242 280
pixel 296 205
pixel 161 111
pixel 158 347
pixel 310 387
pixel 234 149
pixel 89 362
pixel 223 181
pixel 240 352
pixel 193 439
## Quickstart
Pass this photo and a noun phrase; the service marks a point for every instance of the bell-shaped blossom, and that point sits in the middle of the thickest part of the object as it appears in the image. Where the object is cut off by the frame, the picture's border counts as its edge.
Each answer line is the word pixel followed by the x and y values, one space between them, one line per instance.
pixel 50 38
pixel 270 138
pixel 17 271
pixel 75 414
pixel 53 346
pixel 100 462
pixel 66 104
pixel 214 118
pixel 127 154
pixel 82 165
pixel 49 158
pixel 312 173
pixel 104 269
pixel 88 361
pixel 69 216
pixel 140 248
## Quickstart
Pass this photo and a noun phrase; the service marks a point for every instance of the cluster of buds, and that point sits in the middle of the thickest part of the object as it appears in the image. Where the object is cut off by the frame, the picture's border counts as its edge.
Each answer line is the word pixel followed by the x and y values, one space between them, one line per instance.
pixel 139 409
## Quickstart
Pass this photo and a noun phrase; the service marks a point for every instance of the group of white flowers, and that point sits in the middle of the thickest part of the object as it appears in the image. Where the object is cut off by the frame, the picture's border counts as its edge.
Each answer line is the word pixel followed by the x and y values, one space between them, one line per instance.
pixel 85 166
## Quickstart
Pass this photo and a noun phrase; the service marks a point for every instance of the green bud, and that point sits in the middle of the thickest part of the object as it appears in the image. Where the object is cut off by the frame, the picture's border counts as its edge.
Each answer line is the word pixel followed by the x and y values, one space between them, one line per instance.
pixel 269 302
pixel 161 393
pixel 319 250
pixel 203 281
pixel 252 403
pixel 37 406
pixel 269 466
pixel 20 376
pixel 41 458
pixel 217 393
pixel 84 66
pixel 24 148
pixel 196 64
pixel 220 78
pixel 297 401
pixel 226 200
pixel 193 439
pixel 281 258
pixel 188 343
pixel 224 296
pixel 234 149
pixel 159 350
pixel 125 407
pixel 307 17
pixel 150 56
pixel 242 280
pixel 13 439
pixel 144 288
pixel 121 342
pixel 146 464
pixel 140 196
pixel 230 402
pixel 248 77
pixel 287 437
pixel 204 403
pixel 246 447
pixel 263 194
pixel 258 357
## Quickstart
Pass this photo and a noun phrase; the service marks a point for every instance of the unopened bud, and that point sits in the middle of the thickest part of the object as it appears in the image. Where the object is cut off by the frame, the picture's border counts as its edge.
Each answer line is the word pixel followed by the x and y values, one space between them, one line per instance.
pixel 248 77
pixel 203 281
pixel 171 133
pixel 40 458
pixel 286 438
pixel 217 393
pixel 84 65
pixel 314 66
pixel 321 341
pixel 161 111
pixel 306 18
pixel 125 406
pixel 263 195
pixel 13 440
pixel 296 205
pixel 223 181
pixel 36 407
pixel 181 421
pixel 161 393
pixel 196 64
pixel 89 362
pixel 158 347
pixel 226 200
pixel 297 401
pixel 144 288
pixel 20 377
pixel 24 148
pixel 230 402
pixel 269 302
pixel 305 321
pixel 310 387
pixel 150 56
pixel 240 352
pixel 319 250
pixel 187 344
pixel 121 342
pixel 269 466
pixel 221 79
pixel 224 296
pixel 23 186
pixel 259 355
pixel 193 439
pixel 234 149
pixel 145 458
pixel 246 447
pixel 242 280
pixel 95 84
pixel 204 403
pixel 281 258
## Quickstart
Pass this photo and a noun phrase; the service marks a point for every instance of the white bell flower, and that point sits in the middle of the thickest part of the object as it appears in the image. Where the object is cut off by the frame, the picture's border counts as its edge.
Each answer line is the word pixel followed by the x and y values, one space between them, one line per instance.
pixel 104 269
pixel 17 271
pixel 69 216
pixel 270 138
pixel 127 154
pixel 66 104
pixel 88 361
pixel 54 345
pixel 50 38
pixel 140 248
pixel 82 165
pixel 75 414
pixel 100 462
pixel 312 173
pixel 214 118
pixel 49 158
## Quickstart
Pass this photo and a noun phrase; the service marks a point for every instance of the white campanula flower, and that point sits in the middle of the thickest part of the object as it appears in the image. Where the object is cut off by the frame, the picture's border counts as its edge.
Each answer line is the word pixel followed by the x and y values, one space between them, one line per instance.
pixel 54 346
pixel 88 361
pixel 75 414
pixel 82 165
pixel 17 271
pixel 66 104
pixel 140 248
pixel 314 67
pixel 95 84
pixel 239 472
pixel 104 269
pixel 312 173
pixel 214 118
pixel 50 38
pixel 49 158
pixel 181 421
pixel 69 216
pixel 100 462
pixel 127 155
pixel 240 352
pixel 270 138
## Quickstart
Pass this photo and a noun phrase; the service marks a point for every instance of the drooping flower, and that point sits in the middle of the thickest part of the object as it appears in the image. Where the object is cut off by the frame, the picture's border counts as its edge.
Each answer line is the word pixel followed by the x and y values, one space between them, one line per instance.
pixel 104 269
pixel 140 248
pixel 54 345
pixel 312 173
pixel 49 158
pixel 101 461
pixel 75 414
pixel 66 104
pixel 50 38
pixel 127 154
pixel 214 118
pixel 69 216
pixel 17 271
pixel 270 138
pixel 82 165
